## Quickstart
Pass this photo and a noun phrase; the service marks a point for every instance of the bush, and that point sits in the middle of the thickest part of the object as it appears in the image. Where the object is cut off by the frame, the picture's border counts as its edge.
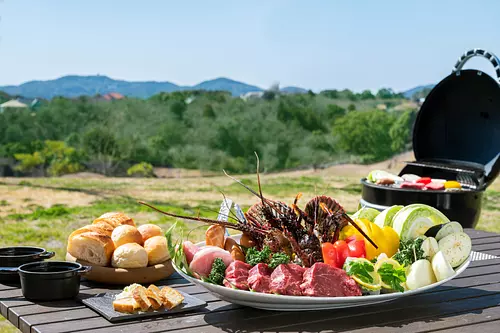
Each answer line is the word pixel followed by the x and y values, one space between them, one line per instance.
pixel 142 169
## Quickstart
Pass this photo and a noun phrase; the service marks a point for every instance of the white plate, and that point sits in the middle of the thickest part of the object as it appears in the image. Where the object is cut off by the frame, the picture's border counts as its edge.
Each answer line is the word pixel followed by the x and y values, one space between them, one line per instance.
pixel 302 303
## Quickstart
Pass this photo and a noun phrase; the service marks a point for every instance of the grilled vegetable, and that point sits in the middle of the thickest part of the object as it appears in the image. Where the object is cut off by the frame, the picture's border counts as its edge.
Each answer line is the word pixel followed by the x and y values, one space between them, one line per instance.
pixel 420 274
pixel 429 247
pixel 442 269
pixel 456 248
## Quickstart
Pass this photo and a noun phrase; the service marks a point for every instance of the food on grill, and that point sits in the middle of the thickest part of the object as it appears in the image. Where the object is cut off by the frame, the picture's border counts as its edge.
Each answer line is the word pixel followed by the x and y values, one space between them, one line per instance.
pixel 130 255
pixel 434 186
pixel 156 249
pixel 452 184
pixel 113 240
pixel 410 181
pixel 386 217
pixel 137 298
pixel 149 230
pixel 124 234
pixel 413 185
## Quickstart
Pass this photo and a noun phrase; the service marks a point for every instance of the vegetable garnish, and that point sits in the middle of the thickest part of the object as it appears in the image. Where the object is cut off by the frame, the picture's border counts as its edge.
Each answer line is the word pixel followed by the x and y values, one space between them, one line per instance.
pixel 216 275
pixel 254 257
pixel 361 269
pixel 278 259
pixel 392 276
pixel 409 251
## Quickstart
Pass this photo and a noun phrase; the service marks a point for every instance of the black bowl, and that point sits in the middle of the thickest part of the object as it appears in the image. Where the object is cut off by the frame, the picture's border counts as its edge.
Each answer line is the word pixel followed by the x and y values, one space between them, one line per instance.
pixel 51 280
pixel 16 256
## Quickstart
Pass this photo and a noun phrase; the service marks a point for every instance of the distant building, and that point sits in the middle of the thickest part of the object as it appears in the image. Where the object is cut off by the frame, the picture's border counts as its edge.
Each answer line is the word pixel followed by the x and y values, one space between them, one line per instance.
pixel 112 96
pixel 252 94
pixel 13 104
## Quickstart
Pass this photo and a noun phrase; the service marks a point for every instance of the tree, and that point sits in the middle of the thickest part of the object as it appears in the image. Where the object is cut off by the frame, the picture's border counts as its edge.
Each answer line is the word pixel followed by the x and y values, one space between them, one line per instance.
pixel 178 108
pixel 385 93
pixel 208 111
pixel 365 134
pixel 101 145
pixel 366 94
pixel 401 131
pixel 351 107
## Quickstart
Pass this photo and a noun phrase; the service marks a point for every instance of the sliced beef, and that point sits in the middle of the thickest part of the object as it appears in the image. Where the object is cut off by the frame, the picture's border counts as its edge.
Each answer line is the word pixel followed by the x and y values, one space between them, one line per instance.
pixel 286 279
pixel 259 278
pixel 324 280
pixel 237 275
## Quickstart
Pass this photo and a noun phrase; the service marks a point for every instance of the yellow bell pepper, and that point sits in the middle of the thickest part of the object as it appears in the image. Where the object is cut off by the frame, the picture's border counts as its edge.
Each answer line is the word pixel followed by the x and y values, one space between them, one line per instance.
pixel 452 184
pixel 386 238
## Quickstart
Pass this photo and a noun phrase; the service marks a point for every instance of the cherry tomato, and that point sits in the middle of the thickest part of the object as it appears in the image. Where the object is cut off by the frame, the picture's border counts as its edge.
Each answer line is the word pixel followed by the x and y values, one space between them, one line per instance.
pixel 329 254
pixel 342 251
pixel 424 180
pixel 357 249
pixel 350 239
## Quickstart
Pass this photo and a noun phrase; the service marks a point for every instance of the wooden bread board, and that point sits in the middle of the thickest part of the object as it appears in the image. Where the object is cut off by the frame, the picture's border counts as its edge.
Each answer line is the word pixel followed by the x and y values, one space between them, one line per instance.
pixel 126 276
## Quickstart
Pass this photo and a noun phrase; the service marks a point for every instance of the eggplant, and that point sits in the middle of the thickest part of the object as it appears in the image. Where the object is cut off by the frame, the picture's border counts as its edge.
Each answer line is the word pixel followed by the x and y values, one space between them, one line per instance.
pixel 456 248
pixel 442 230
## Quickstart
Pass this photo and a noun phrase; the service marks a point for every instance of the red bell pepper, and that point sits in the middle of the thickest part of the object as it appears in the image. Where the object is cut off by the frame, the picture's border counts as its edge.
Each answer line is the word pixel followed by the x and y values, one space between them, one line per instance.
pixel 329 254
pixel 424 180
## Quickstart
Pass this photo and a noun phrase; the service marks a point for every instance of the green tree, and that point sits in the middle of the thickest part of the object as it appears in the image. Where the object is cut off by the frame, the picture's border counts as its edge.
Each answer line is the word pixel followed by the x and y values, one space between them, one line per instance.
pixel 366 94
pixel 401 131
pixel 351 107
pixel 101 145
pixel 208 111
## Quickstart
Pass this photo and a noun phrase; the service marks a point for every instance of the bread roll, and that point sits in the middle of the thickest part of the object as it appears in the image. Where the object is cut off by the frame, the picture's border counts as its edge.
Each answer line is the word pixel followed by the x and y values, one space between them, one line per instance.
pixel 92 247
pixel 100 228
pixel 214 236
pixel 115 219
pixel 126 234
pixel 149 230
pixel 130 255
pixel 157 250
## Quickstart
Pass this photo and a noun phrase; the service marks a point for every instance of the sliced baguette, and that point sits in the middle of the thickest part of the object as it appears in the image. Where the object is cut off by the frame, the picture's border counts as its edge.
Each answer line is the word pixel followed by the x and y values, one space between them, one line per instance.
pixel 141 297
pixel 115 219
pixel 154 298
pixel 171 297
pixel 128 305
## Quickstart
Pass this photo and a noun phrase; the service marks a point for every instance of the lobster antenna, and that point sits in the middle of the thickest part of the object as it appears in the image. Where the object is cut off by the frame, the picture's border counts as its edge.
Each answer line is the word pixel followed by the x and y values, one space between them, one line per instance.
pixel 258 177
pixel 239 182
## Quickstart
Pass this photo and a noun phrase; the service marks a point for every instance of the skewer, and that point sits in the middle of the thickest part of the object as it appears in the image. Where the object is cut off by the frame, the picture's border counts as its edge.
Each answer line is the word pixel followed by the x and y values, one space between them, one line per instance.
pixel 360 230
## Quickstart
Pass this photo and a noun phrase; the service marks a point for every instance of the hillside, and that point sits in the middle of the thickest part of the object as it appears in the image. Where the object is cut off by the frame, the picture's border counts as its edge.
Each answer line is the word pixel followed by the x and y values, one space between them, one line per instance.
pixel 75 85
pixel 410 92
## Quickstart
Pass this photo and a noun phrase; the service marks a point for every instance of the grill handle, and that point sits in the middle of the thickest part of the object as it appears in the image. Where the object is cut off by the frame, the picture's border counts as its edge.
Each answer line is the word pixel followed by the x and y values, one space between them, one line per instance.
pixel 478 53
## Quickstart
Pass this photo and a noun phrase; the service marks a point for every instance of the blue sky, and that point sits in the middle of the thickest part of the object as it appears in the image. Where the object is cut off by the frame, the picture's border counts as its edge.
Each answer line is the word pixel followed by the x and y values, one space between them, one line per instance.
pixel 312 44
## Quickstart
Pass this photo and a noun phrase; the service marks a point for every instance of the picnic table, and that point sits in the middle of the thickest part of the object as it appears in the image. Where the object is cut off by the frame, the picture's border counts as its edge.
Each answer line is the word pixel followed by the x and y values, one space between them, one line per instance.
pixel 468 303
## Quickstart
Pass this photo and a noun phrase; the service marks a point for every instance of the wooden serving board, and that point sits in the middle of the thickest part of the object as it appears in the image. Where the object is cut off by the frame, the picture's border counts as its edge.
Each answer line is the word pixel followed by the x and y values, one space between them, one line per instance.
pixel 126 276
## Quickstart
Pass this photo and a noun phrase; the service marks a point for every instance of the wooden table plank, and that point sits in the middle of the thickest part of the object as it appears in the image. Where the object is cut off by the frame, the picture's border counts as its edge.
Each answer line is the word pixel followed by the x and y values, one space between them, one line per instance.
pixel 484 327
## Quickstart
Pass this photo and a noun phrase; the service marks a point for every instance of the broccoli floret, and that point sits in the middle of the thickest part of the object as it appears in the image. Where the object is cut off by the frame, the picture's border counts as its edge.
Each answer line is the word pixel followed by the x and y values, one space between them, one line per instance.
pixel 254 256
pixel 216 275
pixel 278 259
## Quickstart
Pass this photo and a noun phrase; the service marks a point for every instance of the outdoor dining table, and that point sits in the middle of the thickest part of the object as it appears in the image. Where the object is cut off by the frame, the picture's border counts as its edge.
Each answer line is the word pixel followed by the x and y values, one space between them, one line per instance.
pixel 468 303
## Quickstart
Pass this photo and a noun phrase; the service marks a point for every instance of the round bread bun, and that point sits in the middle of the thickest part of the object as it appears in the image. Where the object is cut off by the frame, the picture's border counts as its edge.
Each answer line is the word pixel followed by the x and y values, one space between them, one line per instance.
pixel 130 255
pixel 157 250
pixel 126 234
pixel 149 230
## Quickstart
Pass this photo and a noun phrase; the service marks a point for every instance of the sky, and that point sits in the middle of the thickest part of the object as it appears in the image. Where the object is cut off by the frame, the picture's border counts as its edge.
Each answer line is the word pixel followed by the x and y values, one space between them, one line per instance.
pixel 312 44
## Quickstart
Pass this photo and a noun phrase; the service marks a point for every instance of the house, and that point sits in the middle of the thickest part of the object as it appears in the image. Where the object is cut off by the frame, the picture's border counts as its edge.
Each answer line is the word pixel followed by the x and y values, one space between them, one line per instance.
pixel 252 94
pixel 13 104
pixel 112 96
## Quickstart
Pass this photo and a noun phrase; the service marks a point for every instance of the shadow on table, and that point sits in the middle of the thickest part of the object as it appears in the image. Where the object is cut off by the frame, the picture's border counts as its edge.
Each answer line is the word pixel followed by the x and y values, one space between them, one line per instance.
pixel 433 310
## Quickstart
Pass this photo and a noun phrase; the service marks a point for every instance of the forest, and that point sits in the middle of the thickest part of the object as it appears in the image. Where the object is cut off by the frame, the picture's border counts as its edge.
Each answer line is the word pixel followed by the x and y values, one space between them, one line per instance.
pixel 205 130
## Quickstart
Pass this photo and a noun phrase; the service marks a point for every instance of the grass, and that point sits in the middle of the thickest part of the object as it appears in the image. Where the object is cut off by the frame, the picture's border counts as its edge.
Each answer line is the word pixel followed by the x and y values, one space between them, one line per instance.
pixel 44 211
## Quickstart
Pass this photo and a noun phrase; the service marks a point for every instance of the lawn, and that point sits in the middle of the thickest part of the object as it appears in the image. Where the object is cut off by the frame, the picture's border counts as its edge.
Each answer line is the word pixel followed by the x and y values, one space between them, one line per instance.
pixel 44 211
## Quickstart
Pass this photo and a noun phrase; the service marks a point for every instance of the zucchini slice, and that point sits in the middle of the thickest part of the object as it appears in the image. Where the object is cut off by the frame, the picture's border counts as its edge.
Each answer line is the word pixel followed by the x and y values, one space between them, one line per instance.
pixel 456 248
pixel 448 229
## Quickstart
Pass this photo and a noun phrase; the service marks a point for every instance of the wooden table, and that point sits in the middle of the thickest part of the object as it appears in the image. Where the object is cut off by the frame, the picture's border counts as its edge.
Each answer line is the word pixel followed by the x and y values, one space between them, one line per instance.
pixel 470 302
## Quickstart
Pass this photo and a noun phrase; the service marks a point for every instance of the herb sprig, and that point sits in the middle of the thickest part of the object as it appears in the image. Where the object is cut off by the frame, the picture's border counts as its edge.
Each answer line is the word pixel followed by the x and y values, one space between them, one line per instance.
pixel 393 277
pixel 362 270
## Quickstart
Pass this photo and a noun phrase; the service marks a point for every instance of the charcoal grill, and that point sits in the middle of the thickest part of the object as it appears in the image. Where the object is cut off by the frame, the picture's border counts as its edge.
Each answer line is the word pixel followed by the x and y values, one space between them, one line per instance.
pixel 456 136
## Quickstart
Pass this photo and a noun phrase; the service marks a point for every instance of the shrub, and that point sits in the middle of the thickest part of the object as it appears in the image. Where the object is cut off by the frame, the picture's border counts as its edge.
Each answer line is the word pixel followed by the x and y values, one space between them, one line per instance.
pixel 142 169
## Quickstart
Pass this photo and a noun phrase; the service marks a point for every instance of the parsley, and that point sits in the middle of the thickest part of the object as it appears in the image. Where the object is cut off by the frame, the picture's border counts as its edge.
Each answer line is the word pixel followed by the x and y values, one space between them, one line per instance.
pixel 216 275
pixel 278 259
pixel 392 277
pixel 409 252
pixel 362 270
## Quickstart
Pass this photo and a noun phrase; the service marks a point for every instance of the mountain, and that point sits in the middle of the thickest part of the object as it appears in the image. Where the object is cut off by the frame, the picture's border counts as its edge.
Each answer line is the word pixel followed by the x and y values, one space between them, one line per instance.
pixel 294 90
pixel 409 93
pixel 74 86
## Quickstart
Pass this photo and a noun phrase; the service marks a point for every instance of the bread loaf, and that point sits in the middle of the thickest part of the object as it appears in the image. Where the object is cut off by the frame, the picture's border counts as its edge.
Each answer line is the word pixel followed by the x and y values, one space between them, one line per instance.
pixel 214 236
pixel 149 230
pixel 115 219
pixel 124 234
pixel 130 255
pixel 157 250
pixel 100 228
pixel 92 247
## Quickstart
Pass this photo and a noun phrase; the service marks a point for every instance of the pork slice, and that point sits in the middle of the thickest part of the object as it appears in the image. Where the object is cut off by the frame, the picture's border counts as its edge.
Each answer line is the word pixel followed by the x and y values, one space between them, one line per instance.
pixel 322 280
pixel 286 279
pixel 189 250
pixel 236 275
pixel 204 258
pixel 259 278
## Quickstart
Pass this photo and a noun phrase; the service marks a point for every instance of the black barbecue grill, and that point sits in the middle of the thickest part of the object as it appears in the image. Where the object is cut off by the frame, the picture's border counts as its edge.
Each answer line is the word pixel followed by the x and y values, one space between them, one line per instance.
pixel 456 136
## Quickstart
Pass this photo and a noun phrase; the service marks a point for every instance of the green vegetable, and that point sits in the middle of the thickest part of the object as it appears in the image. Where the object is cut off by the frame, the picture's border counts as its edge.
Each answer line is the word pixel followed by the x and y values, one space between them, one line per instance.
pixel 386 217
pixel 414 220
pixel 278 259
pixel 177 252
pixel 216 275
pixel 366 213
pixel 393 277
pixel 360 269
pixel 410 251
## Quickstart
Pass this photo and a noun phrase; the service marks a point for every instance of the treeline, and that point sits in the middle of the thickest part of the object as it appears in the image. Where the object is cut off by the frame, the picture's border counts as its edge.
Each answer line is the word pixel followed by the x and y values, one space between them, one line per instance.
pixel 203 130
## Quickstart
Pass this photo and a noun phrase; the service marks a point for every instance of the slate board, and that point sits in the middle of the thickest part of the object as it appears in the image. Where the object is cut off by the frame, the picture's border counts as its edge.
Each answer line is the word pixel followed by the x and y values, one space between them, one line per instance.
pixel 103 304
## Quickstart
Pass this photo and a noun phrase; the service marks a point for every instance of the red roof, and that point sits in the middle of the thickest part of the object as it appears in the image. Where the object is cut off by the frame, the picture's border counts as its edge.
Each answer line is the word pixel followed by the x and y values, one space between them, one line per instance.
pixel 113 96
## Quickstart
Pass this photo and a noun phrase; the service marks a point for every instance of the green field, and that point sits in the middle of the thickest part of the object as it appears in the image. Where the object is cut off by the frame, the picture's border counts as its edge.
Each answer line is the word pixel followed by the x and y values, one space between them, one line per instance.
pixel 44 211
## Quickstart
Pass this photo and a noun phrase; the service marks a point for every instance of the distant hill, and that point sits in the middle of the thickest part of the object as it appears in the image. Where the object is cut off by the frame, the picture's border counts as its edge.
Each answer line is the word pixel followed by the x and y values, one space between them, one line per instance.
pixel 294 90
pixel 75 85
pixel 409 93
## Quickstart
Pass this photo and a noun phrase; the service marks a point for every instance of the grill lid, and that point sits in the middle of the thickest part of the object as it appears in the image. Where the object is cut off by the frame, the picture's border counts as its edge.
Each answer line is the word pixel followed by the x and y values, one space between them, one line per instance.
pixel 459 120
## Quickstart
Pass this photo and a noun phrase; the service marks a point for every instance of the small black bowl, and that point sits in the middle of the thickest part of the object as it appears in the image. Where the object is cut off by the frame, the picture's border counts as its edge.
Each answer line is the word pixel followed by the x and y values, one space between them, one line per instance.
pixel 51 280
pixel 16 256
